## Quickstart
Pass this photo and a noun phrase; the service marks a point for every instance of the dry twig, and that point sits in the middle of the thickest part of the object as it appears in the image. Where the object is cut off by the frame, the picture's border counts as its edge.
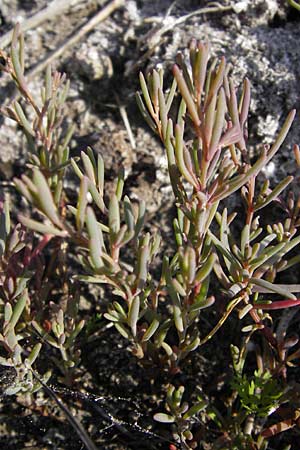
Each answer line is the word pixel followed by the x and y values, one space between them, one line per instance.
pixel 124 116
pixel 55 8
pixel 71 40
pixel 154 37
pixel 76 36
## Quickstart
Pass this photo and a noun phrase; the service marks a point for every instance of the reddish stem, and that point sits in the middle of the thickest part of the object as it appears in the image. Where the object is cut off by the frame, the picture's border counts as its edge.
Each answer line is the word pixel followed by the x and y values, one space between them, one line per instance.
pixel 38 249
pixel 282 304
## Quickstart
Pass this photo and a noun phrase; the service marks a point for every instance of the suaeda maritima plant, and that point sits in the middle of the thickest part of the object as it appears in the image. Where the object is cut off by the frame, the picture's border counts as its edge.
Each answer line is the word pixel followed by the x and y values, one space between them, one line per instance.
pixel 202 122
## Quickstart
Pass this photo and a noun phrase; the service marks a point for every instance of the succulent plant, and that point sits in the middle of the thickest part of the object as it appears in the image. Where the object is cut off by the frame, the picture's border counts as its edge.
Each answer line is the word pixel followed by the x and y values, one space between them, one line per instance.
pixel 202 122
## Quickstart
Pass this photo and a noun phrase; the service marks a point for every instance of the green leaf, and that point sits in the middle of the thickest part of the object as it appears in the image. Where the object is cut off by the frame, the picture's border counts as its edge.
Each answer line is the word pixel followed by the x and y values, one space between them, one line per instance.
pixel 179 152
pixel 13 390
pixel 186 94
pixel 122 330
pixel 6 208
pixel 254 234
pixel 146 94
pixel 275 193
pixel 244 311
pixel 91 156
pixel 190 255
pixel 96 239
pixel 200 304
pixel 177 396
pixel 245 238
pixel 290 245
pixel 100 173
pixel 178 233
pixel 120 238
pixel 23 120
pixel 290 263
pixel 120 310
pixel 162 332
pixel 120 184
pixel 133 314
pixel 224 230
pixel 270 287
pixel 284 287
pixel 41 227
pixel 141 218
pixel 178 287
pixel 178 317
pixel 206 269
pixel 201 297
pixel 216 82
pixel 71 339
pixel 239 180
pixel 145 113
pixel 265 242
pixel 162 113
pixel 181 113
pixel 45 198
pixel 195 409
pixel 8 312
pixel 34 354
pixel 142 266
pixel 185 72
pixel 281 250
pixel 150 330
pixel 209 119
pixel 6 362
pixel 114 216
pixel 111 317
pixel 190 347
pixel 82 203
pixel 225 253
pixel 245 102
pixel 171 95
pixel 97 197
pixel 199 66
pixel 282 135
pixel 296 6
pixel 76 168
pixel 155 84
pixel 164 418
pixel 17 311
pixel 89 168
pixel 129 216
pixel 15 56
pixel 219 124
pixel 235 289
pixel 22 282
pixel 266 255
